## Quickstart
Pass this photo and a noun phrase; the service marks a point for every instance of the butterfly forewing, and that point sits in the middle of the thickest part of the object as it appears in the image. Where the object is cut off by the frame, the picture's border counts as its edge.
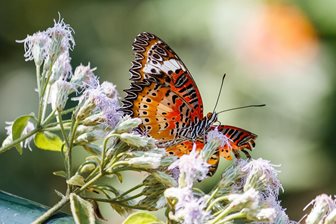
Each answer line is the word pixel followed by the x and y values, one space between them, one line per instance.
pixel 156 62
pixel 164 114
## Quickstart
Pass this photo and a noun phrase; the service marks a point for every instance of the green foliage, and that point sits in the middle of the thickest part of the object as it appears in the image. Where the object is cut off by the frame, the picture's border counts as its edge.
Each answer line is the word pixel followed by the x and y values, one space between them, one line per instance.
pixel 48 141
pixel 18 126
pixel 142 218
pixel 82 210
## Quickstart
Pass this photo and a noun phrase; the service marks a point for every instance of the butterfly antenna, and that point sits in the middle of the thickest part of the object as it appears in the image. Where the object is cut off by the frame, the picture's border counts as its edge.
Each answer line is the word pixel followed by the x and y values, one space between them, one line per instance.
pixel 237 108
pixel 220 91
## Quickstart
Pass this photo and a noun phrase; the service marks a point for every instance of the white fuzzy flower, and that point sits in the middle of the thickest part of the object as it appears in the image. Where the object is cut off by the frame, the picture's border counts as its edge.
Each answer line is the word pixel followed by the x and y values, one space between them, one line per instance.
pixel 145 162
pixel 59 93
pixel 191 167
pixel 137 140
pixel 95 106
pixel 188 209
pixel 62 39
pixel 29 127
pixel 62 68
pixel 218 137
pixel 110 90
pixel 281 216
pixel 323 205
pixel 249 199
pixel 36 47
pixel 262 215
pixel 261 175
pixel 331 218
pixel 84 77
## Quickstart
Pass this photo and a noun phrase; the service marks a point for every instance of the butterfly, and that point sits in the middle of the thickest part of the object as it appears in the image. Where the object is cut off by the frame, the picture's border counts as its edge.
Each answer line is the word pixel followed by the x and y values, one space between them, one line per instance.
pixel 166 98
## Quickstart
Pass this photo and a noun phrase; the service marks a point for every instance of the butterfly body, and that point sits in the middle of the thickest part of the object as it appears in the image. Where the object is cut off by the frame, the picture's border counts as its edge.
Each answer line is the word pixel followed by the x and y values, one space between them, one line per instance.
pixel 165 96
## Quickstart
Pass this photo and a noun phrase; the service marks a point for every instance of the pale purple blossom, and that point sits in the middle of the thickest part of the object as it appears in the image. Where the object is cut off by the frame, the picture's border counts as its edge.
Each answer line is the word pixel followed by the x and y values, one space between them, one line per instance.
pixel 62 38
pixel 191 167
pixel 110 90
pixel 29 127
pixel 95 105
pixel 281 216
pixel 36 47
pixel 189 209
pixel 138 141
pixel 263 215
pixel 59 93
pixel 323 205
pixel 249 199
pixel 145 162
pixel 262 175
pixel 84 77
pixel 218 137
pixel 62 68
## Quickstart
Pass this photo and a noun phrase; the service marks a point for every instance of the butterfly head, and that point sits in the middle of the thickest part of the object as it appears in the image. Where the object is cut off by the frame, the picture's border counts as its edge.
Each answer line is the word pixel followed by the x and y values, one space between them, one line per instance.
pixel 210 118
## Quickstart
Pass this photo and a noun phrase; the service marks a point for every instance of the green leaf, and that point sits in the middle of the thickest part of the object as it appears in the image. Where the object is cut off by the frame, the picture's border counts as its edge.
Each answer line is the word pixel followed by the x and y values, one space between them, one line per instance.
pixel 119 176
pixel 81 210
pixel 60 173
pixel 142 218
pixel 18 126
pixel 76 180
pixel 48 141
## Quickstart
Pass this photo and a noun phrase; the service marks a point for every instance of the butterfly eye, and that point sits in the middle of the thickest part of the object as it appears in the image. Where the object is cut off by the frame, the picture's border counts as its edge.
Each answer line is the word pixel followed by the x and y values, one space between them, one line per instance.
pixel 209 115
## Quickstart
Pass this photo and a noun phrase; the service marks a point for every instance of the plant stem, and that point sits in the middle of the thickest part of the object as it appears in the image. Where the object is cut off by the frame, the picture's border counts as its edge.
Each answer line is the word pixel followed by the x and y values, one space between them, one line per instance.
pixel 60 120
pixel 50 116
pixel 64 200
pixel 129 191
pixel 228 218
pixel 45 104
pixel 215 202
pixel 52 210
pixel 38 67
pixel 221 215
pixel 16 141
pixel 212 196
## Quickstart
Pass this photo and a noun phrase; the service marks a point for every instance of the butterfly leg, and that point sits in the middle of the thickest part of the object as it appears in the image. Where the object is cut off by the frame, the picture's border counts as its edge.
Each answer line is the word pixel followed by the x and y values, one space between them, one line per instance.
pixel 236 153
pixel 247 154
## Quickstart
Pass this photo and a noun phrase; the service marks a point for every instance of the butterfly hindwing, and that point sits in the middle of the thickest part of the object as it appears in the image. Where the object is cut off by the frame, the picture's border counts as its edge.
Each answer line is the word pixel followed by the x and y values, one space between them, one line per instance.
pixel 239 140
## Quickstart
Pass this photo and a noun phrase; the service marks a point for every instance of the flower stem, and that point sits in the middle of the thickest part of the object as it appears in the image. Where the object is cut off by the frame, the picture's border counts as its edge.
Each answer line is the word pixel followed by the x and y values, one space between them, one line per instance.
pixel 231 217
pixel 221 215
pixel 60 120
pixel 215 202
pixel 64 200
pixel 52 210
pixel 45 104
pixel 38 80
pixel 17 141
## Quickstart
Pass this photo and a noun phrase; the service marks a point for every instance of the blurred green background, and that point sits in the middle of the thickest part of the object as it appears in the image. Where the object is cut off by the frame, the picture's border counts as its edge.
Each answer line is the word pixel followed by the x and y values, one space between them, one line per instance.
pixel 274 52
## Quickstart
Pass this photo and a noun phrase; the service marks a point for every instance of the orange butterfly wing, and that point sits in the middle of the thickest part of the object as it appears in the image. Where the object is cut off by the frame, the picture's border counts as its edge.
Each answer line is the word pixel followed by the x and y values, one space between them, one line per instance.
pixel 156 62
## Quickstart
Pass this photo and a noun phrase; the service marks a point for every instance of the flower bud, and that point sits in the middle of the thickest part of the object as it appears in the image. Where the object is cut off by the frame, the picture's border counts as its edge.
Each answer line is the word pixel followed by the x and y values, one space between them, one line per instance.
pixel 165 179
pixel 145 162
pixel 262 215
pixel 137 140
pixel 109 89
pixel 127 124
pixel 59 93
pixel 84 77
pixel 249 199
